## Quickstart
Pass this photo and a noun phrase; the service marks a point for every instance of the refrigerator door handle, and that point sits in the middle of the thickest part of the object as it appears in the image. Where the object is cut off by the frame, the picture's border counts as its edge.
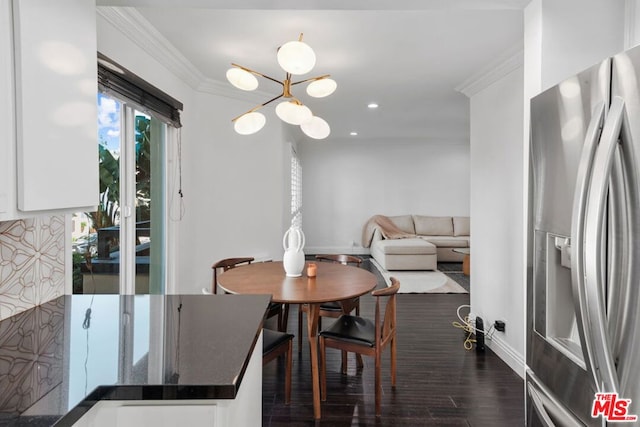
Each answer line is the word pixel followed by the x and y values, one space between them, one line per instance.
pixel 594 318
pixel 578 222
pixel 623 294
pixel 546 405
pixel 619 281
pixel 538 405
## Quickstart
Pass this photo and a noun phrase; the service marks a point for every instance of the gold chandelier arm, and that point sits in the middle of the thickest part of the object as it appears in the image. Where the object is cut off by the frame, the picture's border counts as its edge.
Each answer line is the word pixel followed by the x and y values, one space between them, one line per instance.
pixel 312 78
pixel 257 107
pixel 257 73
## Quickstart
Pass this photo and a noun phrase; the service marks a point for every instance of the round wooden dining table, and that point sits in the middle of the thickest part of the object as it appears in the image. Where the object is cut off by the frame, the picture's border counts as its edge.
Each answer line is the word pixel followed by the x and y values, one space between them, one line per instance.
pixel 333 282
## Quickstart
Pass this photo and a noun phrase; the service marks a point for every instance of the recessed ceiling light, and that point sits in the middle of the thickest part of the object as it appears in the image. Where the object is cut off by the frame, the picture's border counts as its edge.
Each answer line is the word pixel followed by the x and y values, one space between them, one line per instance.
pixel 354 134
pixel 372 105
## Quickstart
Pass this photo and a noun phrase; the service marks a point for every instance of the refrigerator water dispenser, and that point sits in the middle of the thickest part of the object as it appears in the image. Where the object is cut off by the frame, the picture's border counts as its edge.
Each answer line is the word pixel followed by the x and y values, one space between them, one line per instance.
pixel 561 323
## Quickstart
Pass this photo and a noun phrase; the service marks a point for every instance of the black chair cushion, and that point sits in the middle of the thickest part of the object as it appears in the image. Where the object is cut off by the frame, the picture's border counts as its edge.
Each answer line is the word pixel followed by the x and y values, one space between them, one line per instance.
pixel 353 329
pixel 273 309
pixel 331 306
pixel 273 339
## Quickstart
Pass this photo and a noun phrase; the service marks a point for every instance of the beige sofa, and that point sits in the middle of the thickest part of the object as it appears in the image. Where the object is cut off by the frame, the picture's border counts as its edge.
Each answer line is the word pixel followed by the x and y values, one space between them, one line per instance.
pixel 428 239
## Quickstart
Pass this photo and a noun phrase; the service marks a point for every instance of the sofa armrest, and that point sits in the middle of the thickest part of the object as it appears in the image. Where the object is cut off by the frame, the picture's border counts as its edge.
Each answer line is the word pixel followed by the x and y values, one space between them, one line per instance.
pixel 377 235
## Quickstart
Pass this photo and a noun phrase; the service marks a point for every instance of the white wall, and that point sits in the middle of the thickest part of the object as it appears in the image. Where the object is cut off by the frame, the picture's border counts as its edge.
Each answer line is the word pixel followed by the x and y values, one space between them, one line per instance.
pixel 232 185
pixel 561 38
pixel 632 23
pixel 233 190
pixel 497 200
pixel 347 181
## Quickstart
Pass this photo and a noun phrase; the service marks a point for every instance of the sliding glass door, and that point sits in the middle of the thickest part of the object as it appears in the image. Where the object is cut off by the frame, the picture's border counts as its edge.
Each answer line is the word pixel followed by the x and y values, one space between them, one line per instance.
pixel 120 248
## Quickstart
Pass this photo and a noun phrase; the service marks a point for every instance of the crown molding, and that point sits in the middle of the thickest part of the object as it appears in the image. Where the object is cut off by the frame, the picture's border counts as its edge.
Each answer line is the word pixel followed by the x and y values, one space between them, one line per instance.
pixel 136 28
pixel 140 31
pixel 509 61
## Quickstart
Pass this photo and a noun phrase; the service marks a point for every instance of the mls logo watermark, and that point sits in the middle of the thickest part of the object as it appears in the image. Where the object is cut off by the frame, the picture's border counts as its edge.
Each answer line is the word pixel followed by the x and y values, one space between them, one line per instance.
pixel 612 408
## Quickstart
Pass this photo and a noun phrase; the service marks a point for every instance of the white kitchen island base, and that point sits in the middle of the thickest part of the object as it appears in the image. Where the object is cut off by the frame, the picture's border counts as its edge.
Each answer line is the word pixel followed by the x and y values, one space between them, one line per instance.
pixel 243 411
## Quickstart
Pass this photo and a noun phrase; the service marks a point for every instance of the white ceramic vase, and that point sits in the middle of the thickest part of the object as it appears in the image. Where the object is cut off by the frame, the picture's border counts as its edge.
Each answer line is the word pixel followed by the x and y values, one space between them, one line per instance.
pixel 293 260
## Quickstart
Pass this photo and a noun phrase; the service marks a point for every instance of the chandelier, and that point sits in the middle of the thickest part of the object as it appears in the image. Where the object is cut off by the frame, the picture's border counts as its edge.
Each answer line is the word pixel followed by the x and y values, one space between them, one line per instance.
pixel 296 58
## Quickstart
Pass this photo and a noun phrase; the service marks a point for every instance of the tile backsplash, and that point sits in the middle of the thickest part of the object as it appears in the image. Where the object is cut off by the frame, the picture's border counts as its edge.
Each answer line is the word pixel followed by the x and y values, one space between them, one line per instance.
pixel 32 263
pixel 32 354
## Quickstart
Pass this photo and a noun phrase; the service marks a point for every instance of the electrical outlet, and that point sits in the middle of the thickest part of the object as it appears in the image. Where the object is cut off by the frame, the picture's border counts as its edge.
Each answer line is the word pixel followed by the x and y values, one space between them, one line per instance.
pixel 499 325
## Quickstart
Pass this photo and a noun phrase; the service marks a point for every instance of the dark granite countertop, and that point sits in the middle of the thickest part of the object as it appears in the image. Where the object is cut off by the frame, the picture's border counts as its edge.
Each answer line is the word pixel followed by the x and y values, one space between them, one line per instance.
pixel 58 359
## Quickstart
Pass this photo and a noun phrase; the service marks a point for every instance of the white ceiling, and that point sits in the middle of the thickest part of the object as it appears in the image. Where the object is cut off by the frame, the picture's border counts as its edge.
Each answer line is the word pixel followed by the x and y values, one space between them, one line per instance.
pixel 408 56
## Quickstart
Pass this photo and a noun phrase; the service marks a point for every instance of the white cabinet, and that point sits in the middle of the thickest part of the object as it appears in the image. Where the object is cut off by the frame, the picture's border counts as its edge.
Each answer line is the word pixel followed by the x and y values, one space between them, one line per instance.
pixel 7 135
pixel 53 146
pixel 243 411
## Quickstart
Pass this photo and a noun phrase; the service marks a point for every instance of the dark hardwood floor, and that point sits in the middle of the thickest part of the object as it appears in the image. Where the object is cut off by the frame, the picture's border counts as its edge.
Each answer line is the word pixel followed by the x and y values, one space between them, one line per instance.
pixel 439 383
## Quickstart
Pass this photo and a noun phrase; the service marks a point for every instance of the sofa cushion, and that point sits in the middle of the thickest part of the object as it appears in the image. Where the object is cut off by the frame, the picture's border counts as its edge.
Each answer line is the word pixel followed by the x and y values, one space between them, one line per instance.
pixel 404 223
pixel 405 247
pixel 433 225
pixel 461 226
pixel 447 241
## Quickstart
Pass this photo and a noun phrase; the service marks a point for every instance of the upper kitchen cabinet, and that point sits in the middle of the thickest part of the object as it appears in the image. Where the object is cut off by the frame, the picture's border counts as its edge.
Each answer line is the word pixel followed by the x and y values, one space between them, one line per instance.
pixel 54 142
pixel 7 134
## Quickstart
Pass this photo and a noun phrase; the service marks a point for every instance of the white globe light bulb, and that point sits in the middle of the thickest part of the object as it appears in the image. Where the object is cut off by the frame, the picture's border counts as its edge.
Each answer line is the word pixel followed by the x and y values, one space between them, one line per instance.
pixel 316 128
pixel 242 79
pixel 296 57
pixel 321 88
pixel 249 123
pixel 293 113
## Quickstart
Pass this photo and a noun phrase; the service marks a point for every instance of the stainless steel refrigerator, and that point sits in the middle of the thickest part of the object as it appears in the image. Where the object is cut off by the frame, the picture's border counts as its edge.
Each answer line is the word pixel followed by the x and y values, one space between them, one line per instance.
pixel 583 290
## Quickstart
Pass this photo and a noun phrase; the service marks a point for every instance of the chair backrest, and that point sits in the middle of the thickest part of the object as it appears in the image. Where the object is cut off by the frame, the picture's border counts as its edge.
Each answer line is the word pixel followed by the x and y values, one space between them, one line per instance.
pixel 227 264
pixel 340 258
pixel 387 328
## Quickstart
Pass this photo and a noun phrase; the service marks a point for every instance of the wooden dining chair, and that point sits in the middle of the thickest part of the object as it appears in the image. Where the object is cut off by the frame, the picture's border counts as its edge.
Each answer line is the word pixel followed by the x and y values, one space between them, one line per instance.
pixel 360 335
pixel 274 309
pixel 274 345
pixel 330 309
pixel 227 264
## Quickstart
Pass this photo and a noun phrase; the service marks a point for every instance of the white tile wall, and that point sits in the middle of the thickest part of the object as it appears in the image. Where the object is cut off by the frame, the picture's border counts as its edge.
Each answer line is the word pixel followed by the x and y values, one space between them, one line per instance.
pixel 31 263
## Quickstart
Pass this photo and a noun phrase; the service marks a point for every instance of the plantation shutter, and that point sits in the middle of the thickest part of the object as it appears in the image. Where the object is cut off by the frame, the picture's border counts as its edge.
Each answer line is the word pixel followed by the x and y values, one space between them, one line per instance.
pixel 296 187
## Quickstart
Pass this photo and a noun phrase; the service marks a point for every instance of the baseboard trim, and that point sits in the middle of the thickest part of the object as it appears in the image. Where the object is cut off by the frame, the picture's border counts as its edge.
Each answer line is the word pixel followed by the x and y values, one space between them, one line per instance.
pixel 348 250
pixel 507 353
